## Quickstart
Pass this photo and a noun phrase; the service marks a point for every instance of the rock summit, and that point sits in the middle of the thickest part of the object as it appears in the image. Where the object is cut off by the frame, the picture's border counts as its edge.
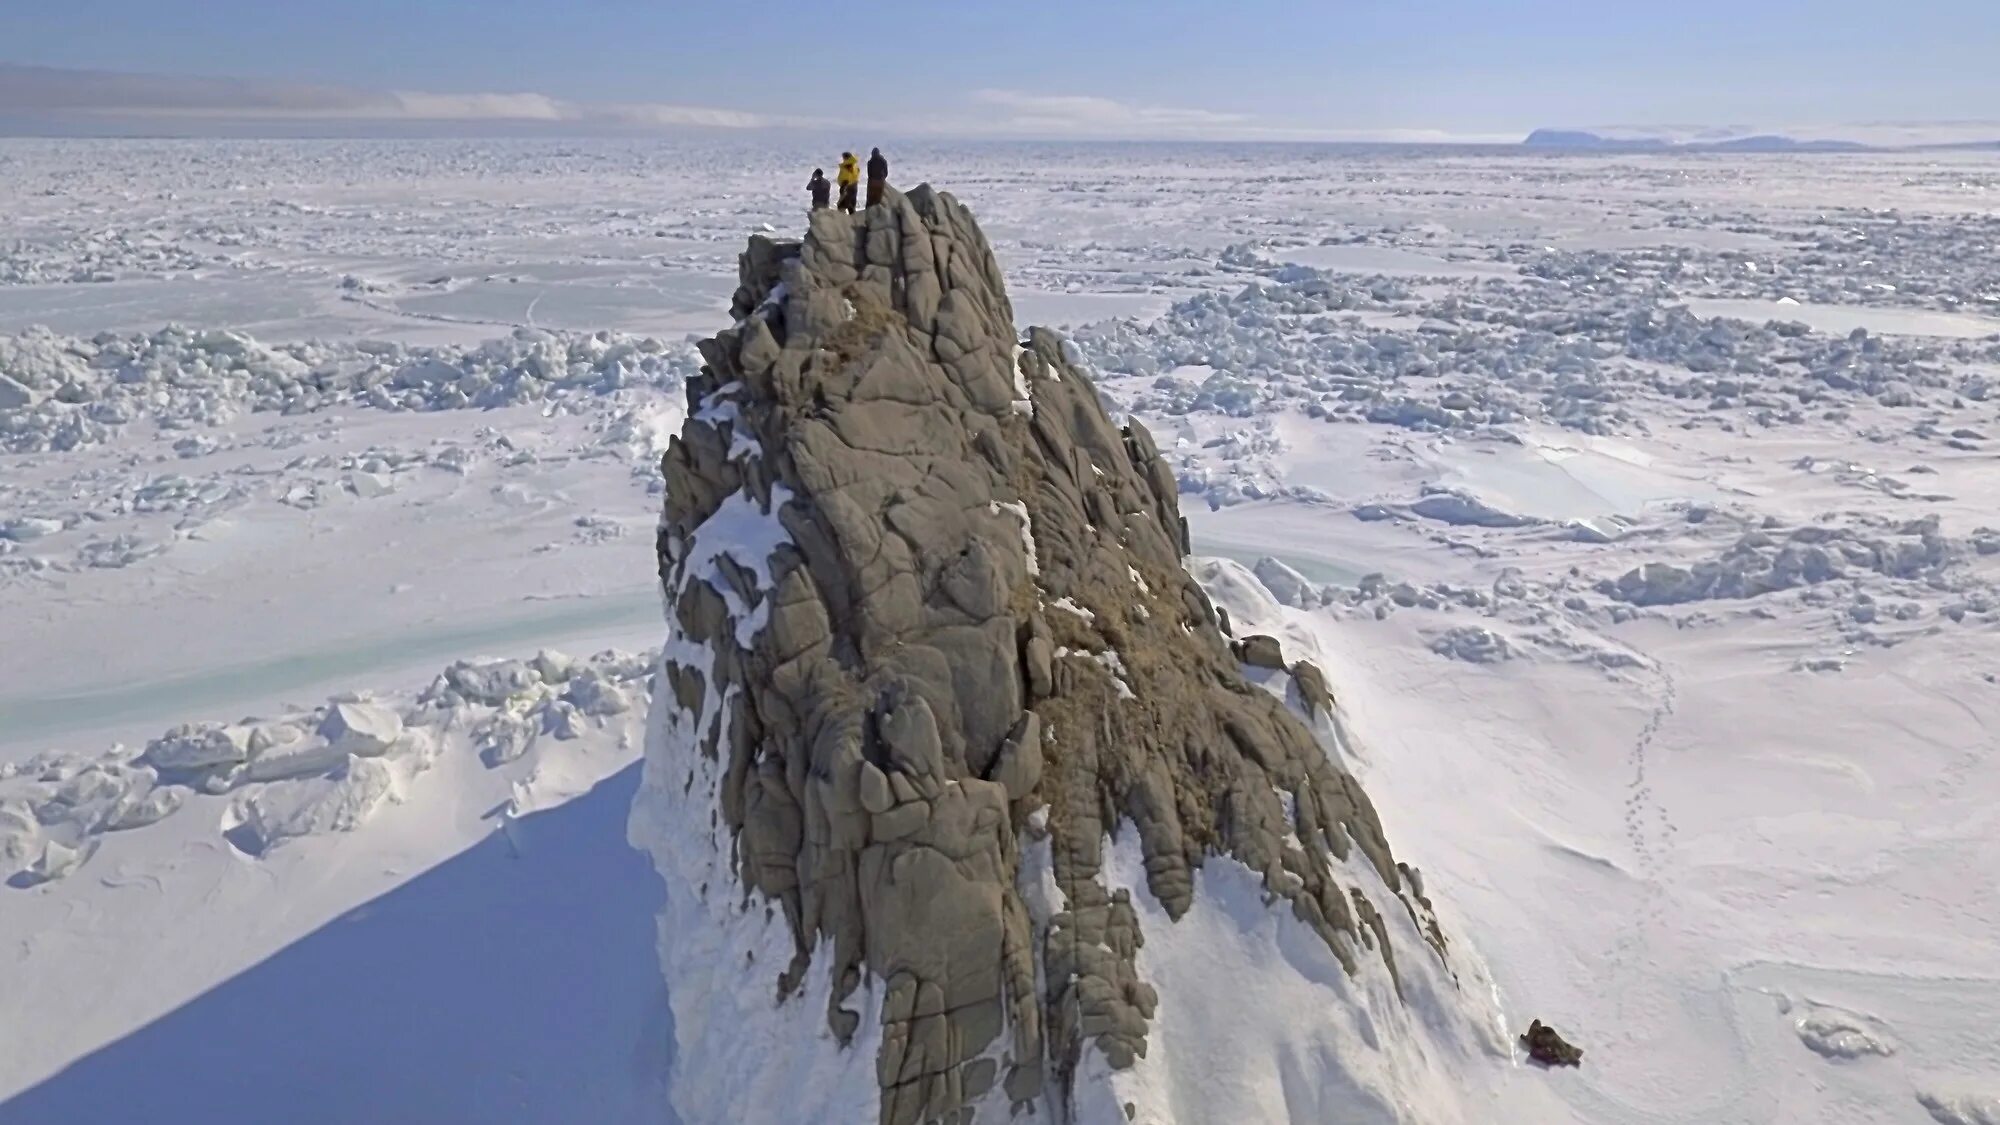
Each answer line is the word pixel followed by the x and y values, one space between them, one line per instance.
pixel 932 647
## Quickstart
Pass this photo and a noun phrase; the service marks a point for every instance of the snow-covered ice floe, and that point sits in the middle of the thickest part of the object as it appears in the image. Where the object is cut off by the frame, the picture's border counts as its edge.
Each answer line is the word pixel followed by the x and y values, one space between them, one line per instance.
pixel 150 879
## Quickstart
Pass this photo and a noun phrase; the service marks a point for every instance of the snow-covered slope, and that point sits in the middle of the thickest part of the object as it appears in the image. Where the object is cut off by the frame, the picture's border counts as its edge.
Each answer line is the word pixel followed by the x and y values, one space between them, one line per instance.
pixel 1682 833
pixel 426 893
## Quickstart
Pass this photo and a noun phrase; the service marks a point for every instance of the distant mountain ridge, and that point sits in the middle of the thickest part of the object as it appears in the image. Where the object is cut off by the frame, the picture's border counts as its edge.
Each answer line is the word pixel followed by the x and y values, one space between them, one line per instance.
pixel 1578 138
pixel 1880 136
pixel 1757 142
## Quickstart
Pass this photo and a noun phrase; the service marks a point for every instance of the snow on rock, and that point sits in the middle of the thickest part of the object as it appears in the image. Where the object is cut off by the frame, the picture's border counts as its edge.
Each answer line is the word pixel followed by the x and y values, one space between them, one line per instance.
pixel 1472 644
pixel 554 667
pixel 368 486
pixel 20 834
pixel 192 747
pixel 286 753
pixel 362 729
pixel 1607 529
pixel 493 682
pixel 1459 506
pixel 56 861
pixel 1762 562
pixel 1837 1034
pixel 1259 1022
pixel 1231 583
pixel 595 691
pixel 339 802
pixel 503 737
pixel 1960 1108
pixel 26 529
pixel 108 796
pixel 118 552
pixel 1286 584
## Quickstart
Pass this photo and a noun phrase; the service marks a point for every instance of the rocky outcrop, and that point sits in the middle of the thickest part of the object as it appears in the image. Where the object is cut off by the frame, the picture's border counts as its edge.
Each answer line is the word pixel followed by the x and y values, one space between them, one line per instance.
pixel 1259 652
pixel 1546 1047
pixel 930 617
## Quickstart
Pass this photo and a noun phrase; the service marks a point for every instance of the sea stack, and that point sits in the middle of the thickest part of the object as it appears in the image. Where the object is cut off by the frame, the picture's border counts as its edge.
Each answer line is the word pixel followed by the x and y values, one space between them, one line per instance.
pixel 946 741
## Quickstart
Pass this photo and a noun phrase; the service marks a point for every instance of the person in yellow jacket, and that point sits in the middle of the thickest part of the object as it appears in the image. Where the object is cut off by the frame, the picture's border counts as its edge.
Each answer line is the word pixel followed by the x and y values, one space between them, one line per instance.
pixel 849 178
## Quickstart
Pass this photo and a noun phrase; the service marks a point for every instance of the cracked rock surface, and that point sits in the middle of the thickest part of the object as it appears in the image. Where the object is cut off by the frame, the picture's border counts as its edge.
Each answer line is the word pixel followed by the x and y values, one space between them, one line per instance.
pixel 962 630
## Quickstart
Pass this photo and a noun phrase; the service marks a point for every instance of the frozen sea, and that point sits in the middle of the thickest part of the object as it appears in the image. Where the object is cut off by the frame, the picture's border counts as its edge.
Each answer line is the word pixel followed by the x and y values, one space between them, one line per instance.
pixel 1641 509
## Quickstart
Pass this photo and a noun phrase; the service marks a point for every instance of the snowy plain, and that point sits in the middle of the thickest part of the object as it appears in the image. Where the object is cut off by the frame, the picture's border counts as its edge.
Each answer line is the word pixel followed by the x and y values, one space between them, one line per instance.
pixel 1641 510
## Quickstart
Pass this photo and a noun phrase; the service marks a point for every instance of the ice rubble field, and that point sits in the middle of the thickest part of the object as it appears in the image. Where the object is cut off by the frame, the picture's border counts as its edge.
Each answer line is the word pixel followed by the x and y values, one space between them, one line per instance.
pixel 1641 510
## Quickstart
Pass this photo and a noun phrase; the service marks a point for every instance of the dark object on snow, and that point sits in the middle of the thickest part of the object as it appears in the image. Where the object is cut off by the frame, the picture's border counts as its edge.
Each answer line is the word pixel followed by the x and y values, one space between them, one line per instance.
pixel 1546 1047
pixel 1260 651
pixel 1313 691
pixel 878 176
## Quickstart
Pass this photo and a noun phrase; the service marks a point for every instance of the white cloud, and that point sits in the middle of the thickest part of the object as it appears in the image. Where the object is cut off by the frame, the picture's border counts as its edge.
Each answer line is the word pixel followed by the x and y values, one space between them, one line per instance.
pixel 419 106
pixel 100 94
pixel 1086 114
pixel 1395 136
pixel 1021 113
pixel 65 98
pixel 654 114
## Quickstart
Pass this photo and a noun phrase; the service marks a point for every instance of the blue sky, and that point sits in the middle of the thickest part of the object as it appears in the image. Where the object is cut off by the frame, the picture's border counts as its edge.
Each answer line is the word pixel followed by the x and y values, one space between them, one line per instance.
pixel 1159 66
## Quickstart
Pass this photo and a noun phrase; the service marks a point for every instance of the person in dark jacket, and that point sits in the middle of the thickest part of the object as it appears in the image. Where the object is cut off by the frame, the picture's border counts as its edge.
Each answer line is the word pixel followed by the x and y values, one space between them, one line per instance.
pixel 878 175
pixel 822 191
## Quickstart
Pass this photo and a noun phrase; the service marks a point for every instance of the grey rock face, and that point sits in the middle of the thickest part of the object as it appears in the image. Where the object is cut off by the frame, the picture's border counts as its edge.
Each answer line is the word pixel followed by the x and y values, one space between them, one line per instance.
pixel 1260 652
pixel 979 638
pixel 1314 695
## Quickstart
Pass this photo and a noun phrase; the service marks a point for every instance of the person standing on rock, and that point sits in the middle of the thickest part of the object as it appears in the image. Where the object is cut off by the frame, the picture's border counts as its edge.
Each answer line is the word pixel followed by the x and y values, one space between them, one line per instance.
pixel 821 191
pixel 849 176
pixel 878 175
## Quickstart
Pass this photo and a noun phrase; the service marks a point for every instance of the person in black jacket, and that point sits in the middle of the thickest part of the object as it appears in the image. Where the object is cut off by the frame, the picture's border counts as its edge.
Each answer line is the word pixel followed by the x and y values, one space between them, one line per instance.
pixel 822 191
pixel 878 175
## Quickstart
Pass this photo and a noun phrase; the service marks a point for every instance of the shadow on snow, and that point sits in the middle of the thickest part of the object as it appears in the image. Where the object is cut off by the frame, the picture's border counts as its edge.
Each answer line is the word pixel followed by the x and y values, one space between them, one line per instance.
pixel 515 982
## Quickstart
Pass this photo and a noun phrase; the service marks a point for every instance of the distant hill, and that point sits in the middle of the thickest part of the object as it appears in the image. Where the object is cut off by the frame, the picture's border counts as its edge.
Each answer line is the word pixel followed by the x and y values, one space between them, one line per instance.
pixel 1771 142
pixel 1577 138
pixel 1745 138
pixel 1757 142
